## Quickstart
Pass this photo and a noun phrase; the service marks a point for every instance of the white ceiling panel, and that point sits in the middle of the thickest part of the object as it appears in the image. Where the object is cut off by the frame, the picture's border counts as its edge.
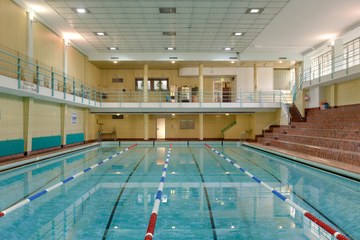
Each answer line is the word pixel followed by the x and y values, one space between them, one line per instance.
pixel 202 26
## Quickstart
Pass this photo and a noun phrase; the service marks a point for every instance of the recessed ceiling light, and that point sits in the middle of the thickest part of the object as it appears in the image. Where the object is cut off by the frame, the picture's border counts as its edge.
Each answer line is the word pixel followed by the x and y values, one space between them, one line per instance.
pixel 81 10
pixel 172 62
pixel 100 33
pixel 112 48
pixel 254 10
pixel 115 62
pixel 167 10
pixel 169 33
pixel 228 49
pixel 232 61
pixel 170 48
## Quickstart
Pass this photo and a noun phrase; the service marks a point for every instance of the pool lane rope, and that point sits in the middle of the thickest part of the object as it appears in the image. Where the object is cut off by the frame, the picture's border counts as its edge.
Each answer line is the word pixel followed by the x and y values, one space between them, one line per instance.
pixel 307 214
pixel 152 222
pixel 45 191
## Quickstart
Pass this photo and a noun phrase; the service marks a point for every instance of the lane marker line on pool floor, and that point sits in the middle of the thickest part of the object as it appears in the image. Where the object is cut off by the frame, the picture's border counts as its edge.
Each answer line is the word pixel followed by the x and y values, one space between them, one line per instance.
pixel 307 214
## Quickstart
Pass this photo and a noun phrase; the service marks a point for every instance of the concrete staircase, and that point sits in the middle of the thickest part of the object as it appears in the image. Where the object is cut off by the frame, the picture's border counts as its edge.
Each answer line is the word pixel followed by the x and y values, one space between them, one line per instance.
pixel 332 134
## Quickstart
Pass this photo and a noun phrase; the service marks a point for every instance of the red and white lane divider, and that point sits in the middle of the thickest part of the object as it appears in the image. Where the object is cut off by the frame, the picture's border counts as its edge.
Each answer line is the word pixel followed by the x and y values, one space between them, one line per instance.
pixel 312 218
pixel 45 191
pixel 152 222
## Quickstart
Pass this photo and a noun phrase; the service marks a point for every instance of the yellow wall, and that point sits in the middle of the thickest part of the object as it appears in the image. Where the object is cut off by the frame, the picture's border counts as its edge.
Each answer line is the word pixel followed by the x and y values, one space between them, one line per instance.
pixel 11 117
pixel 347 93
pixel 214 123
pixel 12 26
pixel 261 120
pixel 46 119
pixel 243 123
pixel 129 76
pixel 92 75
pixel 76 64
pixel 78 126
pixel 48 47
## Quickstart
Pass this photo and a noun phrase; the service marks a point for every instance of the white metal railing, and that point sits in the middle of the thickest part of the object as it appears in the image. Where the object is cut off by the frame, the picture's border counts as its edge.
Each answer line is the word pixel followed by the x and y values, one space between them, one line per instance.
pixel 333 65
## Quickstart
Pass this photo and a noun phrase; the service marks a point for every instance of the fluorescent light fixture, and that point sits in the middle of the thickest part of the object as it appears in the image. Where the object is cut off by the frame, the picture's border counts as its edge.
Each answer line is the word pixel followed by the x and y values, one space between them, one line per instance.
pixel 228 49
pixel 170 48
pixel 112 48
pixel 254 10
pixel 167 10
pixel 238 34
pixel 100 33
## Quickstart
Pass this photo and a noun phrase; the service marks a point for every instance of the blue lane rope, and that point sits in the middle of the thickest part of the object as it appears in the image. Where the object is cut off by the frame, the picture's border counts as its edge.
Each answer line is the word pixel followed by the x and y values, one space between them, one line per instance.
pixel 45 191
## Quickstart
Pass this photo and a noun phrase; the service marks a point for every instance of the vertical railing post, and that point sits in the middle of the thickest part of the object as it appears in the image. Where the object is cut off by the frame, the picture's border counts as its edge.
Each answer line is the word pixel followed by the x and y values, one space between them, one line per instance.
pixel 89 94
pixel 19 70
pixel 260 98
pixel 95 97
pixel 74 89
pixel 101 99
pixel 82 93
pixel 64 85
pixel 37 74
pixel 52 81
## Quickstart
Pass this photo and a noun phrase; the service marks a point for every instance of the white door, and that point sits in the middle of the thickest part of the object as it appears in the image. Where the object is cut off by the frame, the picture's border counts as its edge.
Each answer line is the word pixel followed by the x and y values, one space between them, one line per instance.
pixel 160 128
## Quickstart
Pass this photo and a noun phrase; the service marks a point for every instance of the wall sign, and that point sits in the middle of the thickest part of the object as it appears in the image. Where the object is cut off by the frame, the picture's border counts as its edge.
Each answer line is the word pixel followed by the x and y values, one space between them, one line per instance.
pixel 73 118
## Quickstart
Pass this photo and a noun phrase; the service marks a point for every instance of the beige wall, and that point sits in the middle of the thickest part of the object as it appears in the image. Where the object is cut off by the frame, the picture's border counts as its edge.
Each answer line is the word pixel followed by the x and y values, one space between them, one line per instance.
pixel 261 120
pixel 12 26
pixel 92 75
pixel 214 123
pixel 48 47
pixel 46 119
pixel 11 117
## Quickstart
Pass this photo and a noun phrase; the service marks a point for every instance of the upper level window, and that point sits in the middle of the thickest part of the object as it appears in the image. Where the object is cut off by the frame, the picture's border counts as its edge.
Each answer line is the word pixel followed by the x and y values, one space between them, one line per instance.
pixel 154 84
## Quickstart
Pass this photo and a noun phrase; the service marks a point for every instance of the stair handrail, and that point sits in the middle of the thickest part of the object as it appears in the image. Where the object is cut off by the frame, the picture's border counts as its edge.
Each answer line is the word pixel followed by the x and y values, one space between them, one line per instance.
pixel 227 128
pixel 272 123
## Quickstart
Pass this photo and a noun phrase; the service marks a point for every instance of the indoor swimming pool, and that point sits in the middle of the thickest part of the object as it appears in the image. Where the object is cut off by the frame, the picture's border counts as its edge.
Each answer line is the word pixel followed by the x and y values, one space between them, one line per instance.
pixel 204 196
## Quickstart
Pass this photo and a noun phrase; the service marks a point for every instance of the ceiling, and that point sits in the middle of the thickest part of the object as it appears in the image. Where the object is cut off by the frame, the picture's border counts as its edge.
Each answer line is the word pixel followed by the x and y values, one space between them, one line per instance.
pixel 203 28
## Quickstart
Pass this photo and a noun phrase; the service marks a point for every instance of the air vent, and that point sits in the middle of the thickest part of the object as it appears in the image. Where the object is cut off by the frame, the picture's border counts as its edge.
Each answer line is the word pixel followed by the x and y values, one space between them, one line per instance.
pixel 167 10
pixel 169 33
pixel 235 58
pixel 173 57
pixel 282 58
pixel 117 116
pixel 114 57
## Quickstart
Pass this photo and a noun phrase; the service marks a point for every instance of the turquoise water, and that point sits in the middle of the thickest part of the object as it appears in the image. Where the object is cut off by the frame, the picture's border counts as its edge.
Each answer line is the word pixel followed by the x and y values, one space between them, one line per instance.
pixel 204 196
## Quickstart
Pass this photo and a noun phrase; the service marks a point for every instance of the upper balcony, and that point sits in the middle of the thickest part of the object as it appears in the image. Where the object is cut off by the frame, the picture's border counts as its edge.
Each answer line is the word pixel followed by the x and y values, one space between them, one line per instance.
pixel 23 77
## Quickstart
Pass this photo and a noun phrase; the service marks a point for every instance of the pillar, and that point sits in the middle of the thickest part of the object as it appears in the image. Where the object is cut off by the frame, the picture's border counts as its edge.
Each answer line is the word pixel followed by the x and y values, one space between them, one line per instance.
pixel 201 126
pixel 146 77
pixel 146 126
pixel 201 83
pixel 333 95
pixel 28 123
pixel 63 114
pixel 255 79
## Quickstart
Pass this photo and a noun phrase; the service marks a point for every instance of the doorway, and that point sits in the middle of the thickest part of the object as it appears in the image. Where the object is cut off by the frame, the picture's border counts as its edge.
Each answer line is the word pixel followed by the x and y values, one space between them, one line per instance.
pixel 160 128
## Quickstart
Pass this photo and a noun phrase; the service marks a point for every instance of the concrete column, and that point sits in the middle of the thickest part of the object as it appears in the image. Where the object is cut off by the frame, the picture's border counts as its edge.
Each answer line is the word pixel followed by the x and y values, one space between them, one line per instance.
pixel 146 126
pixel 255 78
pixel 28 123
pixel 63 114
pixel 86 123
pixel 338 55
pixel 333 95
pixel 65 63
pixel 201 83
pixel 146 77
pixel 201 126
pixel 29 42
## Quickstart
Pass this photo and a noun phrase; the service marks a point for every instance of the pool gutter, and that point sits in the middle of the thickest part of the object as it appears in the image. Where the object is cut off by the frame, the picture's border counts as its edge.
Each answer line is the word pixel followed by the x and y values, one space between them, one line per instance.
pixel 43 157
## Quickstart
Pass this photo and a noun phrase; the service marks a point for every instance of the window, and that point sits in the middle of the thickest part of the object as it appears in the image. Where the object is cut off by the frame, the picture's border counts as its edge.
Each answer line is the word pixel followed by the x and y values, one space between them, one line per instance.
pixel 154 84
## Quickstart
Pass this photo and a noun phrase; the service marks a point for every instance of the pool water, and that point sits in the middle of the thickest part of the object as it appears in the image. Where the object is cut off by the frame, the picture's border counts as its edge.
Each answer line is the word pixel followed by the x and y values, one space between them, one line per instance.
pixel 204 196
